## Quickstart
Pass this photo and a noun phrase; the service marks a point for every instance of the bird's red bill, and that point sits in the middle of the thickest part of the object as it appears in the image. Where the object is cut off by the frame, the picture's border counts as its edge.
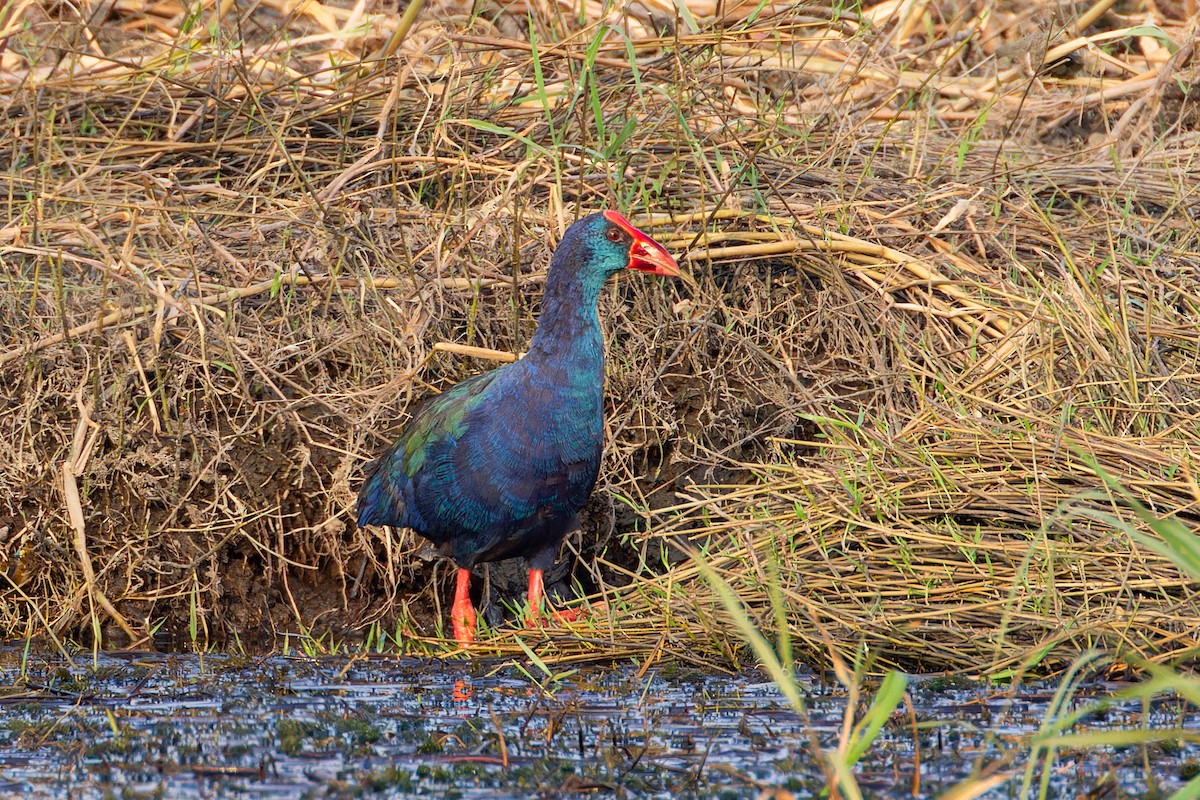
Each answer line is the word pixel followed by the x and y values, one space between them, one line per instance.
pixel 645 254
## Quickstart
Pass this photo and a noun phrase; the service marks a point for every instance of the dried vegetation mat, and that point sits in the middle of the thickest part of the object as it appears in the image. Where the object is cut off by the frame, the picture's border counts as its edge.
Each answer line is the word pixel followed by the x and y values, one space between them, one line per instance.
pixel 949 272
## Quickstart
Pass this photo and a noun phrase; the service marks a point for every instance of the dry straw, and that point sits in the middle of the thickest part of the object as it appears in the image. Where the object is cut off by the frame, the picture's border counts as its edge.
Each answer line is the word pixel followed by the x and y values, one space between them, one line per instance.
pixel 944 254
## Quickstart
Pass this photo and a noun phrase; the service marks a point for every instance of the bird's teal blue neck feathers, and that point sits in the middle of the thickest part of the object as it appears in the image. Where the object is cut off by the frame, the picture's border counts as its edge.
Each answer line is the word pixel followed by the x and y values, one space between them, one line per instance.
pixel 569 327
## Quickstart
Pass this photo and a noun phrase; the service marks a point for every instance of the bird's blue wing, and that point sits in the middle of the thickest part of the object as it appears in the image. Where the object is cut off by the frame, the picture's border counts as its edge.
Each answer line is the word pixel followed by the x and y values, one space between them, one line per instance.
pixel 387 494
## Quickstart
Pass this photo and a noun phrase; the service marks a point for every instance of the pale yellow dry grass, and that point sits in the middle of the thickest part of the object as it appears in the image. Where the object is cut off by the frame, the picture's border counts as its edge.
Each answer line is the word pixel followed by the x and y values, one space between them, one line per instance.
pixel 942 252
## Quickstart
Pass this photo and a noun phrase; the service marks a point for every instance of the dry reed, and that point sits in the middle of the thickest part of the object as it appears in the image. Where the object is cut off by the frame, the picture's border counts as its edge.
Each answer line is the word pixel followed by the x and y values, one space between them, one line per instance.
pixel 942 252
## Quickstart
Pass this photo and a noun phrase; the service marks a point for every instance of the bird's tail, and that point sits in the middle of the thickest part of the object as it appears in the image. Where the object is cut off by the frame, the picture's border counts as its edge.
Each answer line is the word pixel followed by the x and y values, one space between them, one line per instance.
pixel 379 503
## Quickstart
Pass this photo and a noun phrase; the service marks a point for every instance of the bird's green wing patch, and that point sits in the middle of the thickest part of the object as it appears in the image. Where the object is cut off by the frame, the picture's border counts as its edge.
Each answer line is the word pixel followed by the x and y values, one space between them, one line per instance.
pixel 443 418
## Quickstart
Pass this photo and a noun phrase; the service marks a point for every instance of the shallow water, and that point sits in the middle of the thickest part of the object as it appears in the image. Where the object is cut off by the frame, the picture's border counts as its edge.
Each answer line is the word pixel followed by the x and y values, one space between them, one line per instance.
pixel 150 725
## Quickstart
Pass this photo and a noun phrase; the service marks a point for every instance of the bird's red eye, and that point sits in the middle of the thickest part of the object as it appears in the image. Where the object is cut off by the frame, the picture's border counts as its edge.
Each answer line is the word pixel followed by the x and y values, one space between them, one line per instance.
pixel 615 235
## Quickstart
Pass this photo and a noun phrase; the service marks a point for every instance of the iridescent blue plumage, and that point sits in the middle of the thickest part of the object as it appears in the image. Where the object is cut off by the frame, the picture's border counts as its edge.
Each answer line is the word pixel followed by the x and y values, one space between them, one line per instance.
pixel 500 464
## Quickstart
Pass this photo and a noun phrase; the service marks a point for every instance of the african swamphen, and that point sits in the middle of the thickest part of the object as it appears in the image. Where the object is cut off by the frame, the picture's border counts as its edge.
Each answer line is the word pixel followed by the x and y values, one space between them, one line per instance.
pixel 500 465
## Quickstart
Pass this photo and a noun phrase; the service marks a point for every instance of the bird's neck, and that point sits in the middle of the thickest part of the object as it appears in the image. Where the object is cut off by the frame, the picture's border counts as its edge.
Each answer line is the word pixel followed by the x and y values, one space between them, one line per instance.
pixel 568 334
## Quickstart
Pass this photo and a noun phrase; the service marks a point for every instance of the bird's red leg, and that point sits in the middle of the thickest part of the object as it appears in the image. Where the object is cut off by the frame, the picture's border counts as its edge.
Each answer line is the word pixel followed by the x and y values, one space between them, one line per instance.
pixel 536 591
pixel 462 613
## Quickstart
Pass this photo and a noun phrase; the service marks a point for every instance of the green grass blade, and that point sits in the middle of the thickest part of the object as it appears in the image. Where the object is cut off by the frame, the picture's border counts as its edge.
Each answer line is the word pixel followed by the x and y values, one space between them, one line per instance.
pixel 887 700
pixel 780 673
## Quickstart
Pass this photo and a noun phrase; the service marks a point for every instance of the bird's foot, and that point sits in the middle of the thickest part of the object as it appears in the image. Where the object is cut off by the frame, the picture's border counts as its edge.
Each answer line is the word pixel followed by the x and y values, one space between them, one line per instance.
pixel 536 596
pixel 569 614
pixel 463 621
pixel 576 614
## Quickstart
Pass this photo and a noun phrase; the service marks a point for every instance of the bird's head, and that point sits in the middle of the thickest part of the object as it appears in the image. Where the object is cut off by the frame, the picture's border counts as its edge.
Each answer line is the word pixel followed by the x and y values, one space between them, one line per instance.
pixel 602 244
